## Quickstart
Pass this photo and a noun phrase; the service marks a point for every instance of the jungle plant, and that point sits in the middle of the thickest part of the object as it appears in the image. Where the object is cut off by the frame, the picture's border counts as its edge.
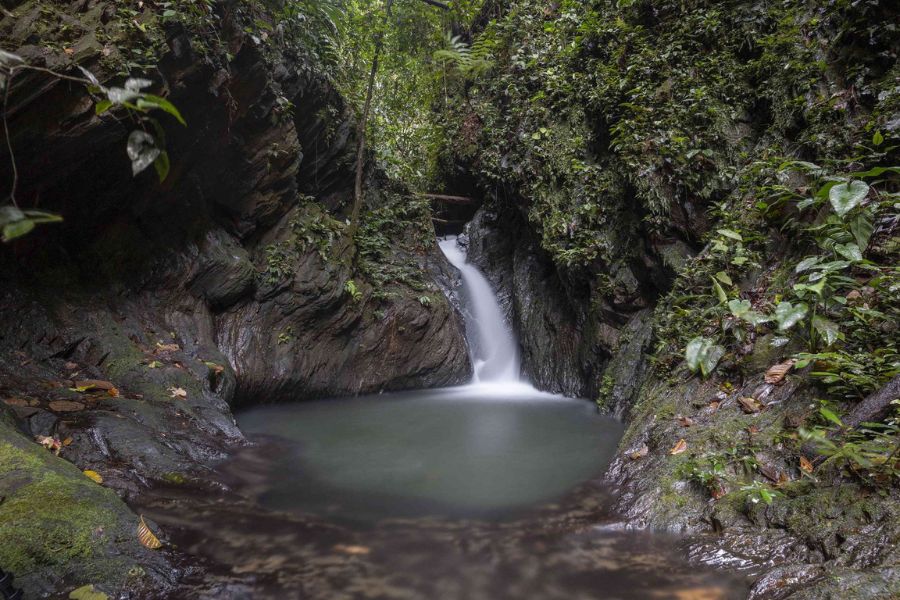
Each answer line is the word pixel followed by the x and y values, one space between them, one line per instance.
pixel 871 452
pixel 143 147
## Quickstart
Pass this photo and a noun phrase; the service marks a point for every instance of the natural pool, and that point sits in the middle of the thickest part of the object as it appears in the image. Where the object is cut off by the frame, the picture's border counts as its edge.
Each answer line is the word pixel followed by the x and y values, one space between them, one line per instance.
pixel 484 450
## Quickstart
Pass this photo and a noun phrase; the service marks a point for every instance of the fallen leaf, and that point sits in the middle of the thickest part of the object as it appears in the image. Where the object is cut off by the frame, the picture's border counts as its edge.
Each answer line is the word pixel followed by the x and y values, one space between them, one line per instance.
pixel 160 347
pixel 776 373
pixel 714 405
pixel 50 443
pixel 88 385
pixel 146 537
pixel 349 549
pixel 639 453
pixel 749 404
pixel 66 406
pixel 177 392
pixel 87 592
pixel 19 402
pixel 113 392
pixel 67 442
pixel 155 364
pixel 753 430
pixel 69 51
pixel 215 368
pixel 805 465
pixel 685 421
pixel 679 447
pixel 70 366
pixel 93 475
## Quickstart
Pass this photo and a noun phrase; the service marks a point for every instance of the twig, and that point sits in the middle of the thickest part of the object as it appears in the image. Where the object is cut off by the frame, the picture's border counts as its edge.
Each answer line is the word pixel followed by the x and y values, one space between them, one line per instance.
pixel 12 158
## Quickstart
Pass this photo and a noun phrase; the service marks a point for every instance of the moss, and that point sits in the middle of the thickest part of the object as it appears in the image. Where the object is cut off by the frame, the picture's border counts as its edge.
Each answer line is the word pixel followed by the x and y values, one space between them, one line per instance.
pixel 54 519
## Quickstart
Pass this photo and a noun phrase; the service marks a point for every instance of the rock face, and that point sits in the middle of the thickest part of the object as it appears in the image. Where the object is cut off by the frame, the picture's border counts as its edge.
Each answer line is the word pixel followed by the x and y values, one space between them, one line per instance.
pixel 565 342
pixel 231 282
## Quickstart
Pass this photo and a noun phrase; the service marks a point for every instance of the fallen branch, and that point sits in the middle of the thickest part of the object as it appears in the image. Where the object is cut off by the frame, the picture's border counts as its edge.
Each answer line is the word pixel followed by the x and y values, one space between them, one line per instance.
pixel 449 199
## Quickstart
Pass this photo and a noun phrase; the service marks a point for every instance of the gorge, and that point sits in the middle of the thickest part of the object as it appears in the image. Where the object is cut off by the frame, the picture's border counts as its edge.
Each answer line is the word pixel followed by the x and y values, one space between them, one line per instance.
pixel 617 317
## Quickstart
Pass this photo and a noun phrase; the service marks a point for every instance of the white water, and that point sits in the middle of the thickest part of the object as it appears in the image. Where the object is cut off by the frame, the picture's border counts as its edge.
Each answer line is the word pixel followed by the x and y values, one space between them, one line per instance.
pixel 495 353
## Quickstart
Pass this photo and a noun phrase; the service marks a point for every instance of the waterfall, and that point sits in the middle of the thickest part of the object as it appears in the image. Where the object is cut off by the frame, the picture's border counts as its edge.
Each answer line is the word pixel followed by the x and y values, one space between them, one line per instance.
pixel 495 353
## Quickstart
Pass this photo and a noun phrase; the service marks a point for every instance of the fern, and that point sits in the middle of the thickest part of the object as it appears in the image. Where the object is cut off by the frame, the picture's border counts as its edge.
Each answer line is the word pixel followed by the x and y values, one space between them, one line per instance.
pixel 471 61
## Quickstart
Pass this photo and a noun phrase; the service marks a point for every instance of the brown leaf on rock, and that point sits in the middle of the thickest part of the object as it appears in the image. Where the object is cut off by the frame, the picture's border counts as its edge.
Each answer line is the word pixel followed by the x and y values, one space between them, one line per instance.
pixel 714 405
pixel 66 406
pixel 685 421
pixel 146 537
pixel 90 385
pixel 805 465
pixel 351 549
pixel 177 392
pixel 679 447
pixel 20 402
pixel 70 366
pixel 50 443
pixel 639 453
pixel 776 373
pixel 160 347
pixel 749 404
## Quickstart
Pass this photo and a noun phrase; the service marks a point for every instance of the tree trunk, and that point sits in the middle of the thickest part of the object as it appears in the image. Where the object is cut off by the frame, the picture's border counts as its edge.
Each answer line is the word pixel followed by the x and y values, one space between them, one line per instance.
pixel 361 143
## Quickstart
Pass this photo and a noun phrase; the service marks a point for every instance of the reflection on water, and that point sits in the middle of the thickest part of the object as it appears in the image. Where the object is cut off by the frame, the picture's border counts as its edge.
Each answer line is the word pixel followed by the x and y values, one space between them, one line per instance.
pixel 469 451
pixel 465 494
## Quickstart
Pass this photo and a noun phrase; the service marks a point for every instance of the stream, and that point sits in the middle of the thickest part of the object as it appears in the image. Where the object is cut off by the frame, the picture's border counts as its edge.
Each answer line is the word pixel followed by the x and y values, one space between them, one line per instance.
pixel 487 491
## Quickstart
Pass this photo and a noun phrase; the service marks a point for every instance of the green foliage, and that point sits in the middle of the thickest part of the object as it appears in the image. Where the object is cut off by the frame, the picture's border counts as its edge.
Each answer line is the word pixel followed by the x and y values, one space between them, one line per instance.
pixel 352 290
pixel 703 354
pixel 871 452
pixel 15 223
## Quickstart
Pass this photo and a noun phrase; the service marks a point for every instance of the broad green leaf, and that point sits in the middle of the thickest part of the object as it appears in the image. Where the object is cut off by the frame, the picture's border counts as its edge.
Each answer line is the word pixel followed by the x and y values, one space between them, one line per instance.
pixel 103 106
pixel 711 358
pixel 161 103
pixel 862 227
pixel 845 196
pixel 806 263
pixel 787 315
pixel 39 216
pixel 815 288
pixel 831 416
pixel 162 165
pixel 17 229
pixel 829 330
pixel 141 150
pixel 742 310
pixel 720 293
pixel 701 353
pixel 877 138
pixel 739 307
pixel 724 278
pixel 875 172
pixel 730 234
pixel 87 592
pixel 849 251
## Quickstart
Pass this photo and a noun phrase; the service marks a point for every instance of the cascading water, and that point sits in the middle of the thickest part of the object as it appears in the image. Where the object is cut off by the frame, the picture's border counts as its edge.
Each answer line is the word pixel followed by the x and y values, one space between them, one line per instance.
pixel 495 352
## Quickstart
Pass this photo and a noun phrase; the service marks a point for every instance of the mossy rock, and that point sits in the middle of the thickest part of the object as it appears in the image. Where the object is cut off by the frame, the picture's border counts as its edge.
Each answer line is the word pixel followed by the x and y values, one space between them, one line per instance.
pixel 60 530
